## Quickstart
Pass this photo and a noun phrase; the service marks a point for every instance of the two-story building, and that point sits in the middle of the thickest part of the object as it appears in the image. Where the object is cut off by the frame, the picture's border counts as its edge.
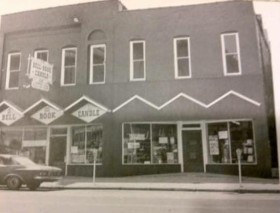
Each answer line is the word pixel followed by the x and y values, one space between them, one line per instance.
pixel 175 89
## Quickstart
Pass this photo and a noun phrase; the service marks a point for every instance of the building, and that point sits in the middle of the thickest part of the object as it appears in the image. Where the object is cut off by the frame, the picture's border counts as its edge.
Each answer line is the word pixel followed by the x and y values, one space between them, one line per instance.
pixel 175 89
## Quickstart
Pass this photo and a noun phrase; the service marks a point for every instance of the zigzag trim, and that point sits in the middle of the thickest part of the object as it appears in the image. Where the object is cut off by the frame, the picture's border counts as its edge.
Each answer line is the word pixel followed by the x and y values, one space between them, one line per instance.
pixel 231 92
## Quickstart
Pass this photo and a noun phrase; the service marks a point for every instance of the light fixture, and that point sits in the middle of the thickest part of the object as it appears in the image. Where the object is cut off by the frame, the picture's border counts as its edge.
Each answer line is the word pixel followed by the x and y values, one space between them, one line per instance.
pixel 76 20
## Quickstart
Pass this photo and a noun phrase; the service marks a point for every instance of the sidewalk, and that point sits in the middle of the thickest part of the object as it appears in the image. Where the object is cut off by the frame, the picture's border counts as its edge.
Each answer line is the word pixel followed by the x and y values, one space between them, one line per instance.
pixel 172 182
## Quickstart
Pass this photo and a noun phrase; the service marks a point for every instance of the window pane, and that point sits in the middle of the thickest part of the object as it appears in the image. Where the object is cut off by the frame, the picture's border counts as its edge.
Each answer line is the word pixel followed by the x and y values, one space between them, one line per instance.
pixel 69 75
pixel 232 64
pixel 218 143
pixel 35 134
pixel 138 70
pixel 70 58
pixel 230 43
pixel 15 62
pixel 241 133
pixel 98 55
pixel 137 144
pixel 164 143
pixel 138 51
pixel 94 143
pixel 182 48
pixel 98 73
pixel 78 145
pixel 14 79
pixel 42 55
pixel 11 141
pixel 183 67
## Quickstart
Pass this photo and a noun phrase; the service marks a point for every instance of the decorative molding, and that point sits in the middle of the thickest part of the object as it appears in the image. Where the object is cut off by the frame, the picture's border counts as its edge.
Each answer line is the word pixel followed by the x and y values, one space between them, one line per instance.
pixel 14 107
pixel 45 101
pixel 183 95
pixel 89 100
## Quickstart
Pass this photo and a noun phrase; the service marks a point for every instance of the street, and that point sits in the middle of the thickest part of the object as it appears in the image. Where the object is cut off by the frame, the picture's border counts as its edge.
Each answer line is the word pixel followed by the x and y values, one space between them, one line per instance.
pixel 121 201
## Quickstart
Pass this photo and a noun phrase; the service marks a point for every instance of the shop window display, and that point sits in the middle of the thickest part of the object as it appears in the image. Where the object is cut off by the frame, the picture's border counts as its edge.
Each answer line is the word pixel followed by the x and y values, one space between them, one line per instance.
pixel 29 142
pixel 137 143
pixel 86 143
pixel 34 144
pixel 150 143
pixel 164 144
pixel 224 138
pixel 11 141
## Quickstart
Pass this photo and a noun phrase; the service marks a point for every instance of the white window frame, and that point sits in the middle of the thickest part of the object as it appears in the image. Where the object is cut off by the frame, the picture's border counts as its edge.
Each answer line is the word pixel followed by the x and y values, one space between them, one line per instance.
pixel 9 71
pixel 236 53
pixel 176 57
pixel 36 52
pixel 63 67
pixel 92 47
pixel 132 60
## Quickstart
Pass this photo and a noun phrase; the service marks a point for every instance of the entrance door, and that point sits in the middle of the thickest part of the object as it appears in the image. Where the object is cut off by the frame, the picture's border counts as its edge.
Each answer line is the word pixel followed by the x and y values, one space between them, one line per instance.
pixel 58 150
pixel 192 151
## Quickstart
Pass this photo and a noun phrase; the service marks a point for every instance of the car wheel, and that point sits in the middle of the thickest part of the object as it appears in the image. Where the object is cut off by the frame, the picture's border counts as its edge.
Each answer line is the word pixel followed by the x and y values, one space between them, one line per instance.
pixel 13 182
pixel 33 186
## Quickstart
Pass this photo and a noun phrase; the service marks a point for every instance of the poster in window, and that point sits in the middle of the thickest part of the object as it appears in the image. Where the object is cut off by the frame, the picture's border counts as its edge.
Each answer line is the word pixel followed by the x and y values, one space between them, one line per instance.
pixel 74 149
pixel 214 145
pixel 223 135
pixel 163 140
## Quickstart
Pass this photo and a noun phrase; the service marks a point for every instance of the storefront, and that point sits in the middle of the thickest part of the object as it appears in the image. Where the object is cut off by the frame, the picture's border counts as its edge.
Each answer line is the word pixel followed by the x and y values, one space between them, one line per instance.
pixel 193 145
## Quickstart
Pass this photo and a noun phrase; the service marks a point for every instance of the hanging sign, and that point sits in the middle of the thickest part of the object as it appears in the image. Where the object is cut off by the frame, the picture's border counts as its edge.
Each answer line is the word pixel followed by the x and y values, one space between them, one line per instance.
pixel 9 116
pixel 88 112
pixel 47 115
pixel 41 73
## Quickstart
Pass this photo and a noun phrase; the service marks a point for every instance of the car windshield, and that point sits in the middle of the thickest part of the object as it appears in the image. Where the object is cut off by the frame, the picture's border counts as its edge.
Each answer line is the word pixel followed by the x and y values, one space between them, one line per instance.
pixel 23 161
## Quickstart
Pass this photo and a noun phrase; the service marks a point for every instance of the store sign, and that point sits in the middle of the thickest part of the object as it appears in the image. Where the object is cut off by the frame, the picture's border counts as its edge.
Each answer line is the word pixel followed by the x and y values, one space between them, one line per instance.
pixel 41 73
pixel 9 116
pixel 47 115
pixel 40 85
pixel 88 112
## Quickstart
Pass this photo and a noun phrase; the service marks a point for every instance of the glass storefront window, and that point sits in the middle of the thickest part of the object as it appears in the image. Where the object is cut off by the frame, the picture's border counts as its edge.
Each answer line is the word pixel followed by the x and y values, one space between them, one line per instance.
pixel 164 146
pixel 150 143
pixel 11 141
pixel 29 142
pixel 86 143
pixel 137 143
pixel 224 138
pixel 94 144
pixel 34 144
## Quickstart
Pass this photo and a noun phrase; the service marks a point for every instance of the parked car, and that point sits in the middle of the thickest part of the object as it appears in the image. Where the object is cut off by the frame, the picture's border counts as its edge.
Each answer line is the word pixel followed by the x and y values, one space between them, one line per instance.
pixel 16 171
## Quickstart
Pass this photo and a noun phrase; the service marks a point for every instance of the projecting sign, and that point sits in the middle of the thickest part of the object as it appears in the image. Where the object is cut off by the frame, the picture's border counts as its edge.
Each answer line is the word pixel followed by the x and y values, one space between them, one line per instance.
pixel 9 116
pixel 47 115
pixel 41 73
pixel 88 112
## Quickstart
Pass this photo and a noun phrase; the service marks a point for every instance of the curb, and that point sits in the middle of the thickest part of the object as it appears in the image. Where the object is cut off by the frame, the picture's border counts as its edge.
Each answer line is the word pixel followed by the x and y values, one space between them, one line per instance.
pixel 186 189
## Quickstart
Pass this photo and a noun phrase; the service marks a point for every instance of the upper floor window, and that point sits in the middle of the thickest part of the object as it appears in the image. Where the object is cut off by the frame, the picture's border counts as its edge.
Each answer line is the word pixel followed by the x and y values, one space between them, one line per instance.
pixel 231 54
pixel 69 66
pixel 42 54
pixel 182 59
pixel 13 71
pixel 137 61
pixel 97 64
